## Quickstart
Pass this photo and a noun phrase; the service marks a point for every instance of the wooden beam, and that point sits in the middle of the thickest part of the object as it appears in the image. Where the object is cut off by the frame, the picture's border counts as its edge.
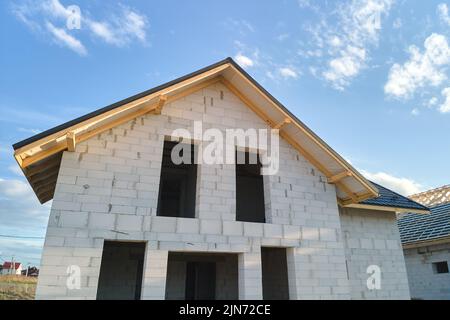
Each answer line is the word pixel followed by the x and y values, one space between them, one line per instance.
pixel 145 108
pixel 71 141
pixel 320 143
pixel 249 103
pixel 282 123
pixel 353 196
pixel 339 176
pixel 193 89
pixel 43 154
pixel 160 104
pixel 358 198
pixel 385 208
pixel 305 154
pixel 19 159
pixel 127 107
pixel 290 140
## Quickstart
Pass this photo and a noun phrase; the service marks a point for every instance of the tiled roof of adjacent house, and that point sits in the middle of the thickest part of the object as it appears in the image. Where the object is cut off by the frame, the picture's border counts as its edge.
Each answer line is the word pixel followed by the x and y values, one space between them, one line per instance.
pixel 421 227
pixel 389 198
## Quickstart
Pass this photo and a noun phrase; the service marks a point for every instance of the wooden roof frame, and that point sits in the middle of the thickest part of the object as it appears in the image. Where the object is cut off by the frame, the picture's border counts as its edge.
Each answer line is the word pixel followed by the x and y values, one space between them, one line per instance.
pixel 32 153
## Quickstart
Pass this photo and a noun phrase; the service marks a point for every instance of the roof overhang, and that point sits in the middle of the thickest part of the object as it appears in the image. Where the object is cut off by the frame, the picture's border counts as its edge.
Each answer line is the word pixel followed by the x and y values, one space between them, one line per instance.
pixel 40 156
pixel 386 208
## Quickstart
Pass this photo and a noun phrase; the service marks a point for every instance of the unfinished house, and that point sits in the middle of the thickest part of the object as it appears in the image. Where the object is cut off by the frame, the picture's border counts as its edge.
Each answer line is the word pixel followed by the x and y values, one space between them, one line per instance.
pixel 426 246
pixel 128 222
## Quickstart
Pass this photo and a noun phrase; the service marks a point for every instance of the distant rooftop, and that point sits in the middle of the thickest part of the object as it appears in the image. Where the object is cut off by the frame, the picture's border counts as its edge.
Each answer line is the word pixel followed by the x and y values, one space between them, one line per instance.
pixel 423 227
pixel 389 198
pixel 433 197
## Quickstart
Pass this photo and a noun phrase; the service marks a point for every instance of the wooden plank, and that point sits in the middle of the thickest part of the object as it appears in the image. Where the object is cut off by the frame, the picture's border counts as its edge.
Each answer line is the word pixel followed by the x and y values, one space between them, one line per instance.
pixel 71 141
pixel 286 137
pixel 385 208
pixel 312 136
pixel 282 123
pixel 134 104
pixel 249 103
pixel 19 159
pixel 160 104
pixel 193 89
pixel 339 176
pixel 44 154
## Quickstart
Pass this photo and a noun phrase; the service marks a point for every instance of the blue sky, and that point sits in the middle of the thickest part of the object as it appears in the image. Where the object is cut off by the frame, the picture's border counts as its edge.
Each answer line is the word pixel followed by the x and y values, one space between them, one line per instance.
pixel 369 76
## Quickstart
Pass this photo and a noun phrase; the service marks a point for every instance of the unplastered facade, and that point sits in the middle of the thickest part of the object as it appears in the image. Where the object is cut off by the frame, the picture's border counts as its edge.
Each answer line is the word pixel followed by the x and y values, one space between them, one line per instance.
pixel 107 189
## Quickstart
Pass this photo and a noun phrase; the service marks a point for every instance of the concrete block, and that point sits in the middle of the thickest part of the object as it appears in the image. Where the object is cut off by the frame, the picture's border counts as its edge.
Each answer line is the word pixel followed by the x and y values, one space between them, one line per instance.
pixel 164 224
pixel 129 223
pixel 253 229
pixel 232 228
pixel 210 226
pixel 188 225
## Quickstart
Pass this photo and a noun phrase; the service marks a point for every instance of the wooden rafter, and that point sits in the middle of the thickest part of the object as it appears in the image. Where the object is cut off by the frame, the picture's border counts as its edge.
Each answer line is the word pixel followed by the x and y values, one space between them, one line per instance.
pixel 312 136
pixel 85 132
pixel 30 157
pixel 289 139
pixel 339 176
pixel 71 141
pixel 282 123
pixel 160 104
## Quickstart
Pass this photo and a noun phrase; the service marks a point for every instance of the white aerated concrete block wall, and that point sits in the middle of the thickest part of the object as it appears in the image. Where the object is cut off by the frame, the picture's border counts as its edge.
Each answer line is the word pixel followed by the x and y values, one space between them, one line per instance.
pixel 424 282
pixel 108 189
pixel 372 238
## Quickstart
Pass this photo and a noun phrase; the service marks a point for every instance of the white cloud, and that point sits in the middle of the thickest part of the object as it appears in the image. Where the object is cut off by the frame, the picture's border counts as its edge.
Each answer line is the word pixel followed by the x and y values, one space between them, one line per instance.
pixel 346 38
pixel 14 188
pixel 67 40
pixel 425 68
pixel 120 28
pixel 346 66
pixel 403 186
pixel 19 205
pixel 415 112
pixel 432 102
pixel 287 72
pixel 445 107
pixel 443 13
pixel 244 61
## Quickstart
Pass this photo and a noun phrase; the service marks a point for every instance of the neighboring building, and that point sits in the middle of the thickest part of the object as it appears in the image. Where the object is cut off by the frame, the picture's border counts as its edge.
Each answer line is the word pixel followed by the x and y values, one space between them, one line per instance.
pixel 426 246
pixel 30 272
pixel 11 268
pixel 129 223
